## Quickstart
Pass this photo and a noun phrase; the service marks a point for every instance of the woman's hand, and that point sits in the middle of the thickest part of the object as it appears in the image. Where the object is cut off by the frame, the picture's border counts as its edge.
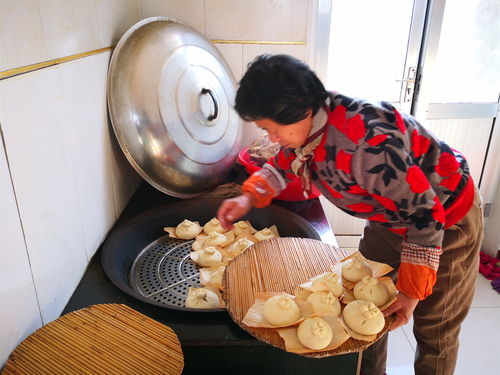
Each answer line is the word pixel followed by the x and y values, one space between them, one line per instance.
pixel 403 308
pixel 234 208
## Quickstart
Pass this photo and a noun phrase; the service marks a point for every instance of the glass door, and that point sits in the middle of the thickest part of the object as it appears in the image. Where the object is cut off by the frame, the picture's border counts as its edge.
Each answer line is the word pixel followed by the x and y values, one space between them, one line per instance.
pixel 436 59
pixel 373 53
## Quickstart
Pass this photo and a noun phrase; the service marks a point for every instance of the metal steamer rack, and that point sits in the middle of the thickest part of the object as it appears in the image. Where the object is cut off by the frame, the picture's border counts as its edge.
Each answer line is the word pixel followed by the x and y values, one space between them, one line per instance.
pixel 163 272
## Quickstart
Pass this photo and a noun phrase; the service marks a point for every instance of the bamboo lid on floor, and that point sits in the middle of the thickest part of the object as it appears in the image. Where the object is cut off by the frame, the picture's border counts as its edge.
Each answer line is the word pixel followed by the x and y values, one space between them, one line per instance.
pixel 101 339
pixel 279 265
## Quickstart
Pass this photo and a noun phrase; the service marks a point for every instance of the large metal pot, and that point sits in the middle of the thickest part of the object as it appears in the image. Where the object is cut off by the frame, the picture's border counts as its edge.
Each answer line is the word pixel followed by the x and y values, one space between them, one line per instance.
pixel 170 97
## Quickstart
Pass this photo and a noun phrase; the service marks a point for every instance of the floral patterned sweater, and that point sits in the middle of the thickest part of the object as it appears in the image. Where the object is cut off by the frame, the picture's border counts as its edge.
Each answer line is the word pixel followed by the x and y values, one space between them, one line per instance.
pixel 375 163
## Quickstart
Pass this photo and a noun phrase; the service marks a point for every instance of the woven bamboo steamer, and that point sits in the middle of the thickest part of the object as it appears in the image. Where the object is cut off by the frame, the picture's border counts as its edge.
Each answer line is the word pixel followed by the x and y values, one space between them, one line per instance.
pixel 279 265
pixel 101 339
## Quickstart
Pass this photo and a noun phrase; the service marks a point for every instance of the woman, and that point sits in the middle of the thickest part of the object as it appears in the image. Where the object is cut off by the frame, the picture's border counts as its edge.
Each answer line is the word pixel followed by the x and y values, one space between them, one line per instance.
pixel 422 209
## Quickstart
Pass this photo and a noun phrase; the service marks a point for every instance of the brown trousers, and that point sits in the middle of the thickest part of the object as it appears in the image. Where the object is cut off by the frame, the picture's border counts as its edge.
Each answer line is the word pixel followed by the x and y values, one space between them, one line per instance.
pixel 436 319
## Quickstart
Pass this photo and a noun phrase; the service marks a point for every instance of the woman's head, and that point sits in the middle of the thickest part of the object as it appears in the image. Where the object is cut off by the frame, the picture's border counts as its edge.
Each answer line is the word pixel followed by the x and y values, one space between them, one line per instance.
pixel 280 88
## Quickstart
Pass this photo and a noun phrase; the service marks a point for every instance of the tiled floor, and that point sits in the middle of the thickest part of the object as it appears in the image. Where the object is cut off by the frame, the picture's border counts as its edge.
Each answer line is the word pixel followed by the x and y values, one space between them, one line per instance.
pixel 479 351
pixel 479 338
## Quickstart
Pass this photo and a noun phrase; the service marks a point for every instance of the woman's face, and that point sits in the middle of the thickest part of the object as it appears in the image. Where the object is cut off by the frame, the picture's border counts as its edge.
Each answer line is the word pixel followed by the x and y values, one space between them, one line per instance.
pixel 290 136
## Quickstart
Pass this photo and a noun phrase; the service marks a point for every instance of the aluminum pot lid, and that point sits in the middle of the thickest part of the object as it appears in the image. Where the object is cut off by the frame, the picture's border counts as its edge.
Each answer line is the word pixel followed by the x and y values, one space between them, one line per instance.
pixel 170 97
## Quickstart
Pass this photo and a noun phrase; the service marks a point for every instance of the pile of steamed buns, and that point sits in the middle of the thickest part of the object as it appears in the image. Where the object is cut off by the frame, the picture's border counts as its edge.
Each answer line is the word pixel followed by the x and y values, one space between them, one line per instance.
pixel 213 248
pixel 362 315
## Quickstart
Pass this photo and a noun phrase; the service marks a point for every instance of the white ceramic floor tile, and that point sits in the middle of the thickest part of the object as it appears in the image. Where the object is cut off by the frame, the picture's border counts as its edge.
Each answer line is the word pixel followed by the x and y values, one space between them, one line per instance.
pixel 485 295
pixel 479 350
pixel 479 337
pixel 408 331
pixel 399 354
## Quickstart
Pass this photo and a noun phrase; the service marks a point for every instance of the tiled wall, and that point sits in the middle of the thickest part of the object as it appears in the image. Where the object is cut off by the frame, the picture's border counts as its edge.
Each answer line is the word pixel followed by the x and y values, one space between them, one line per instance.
pixel 64 180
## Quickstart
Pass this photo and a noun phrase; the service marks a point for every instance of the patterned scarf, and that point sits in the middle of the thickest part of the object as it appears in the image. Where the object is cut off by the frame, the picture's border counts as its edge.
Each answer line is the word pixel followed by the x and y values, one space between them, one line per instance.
pixel 305 153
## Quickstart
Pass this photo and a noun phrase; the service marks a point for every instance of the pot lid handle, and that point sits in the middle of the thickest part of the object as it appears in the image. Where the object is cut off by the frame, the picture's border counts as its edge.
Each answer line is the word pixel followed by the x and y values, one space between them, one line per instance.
pixel 216 107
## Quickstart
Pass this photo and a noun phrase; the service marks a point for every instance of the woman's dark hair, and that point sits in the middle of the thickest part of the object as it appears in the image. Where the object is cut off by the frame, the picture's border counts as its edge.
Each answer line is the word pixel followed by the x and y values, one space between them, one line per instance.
pixel 279 87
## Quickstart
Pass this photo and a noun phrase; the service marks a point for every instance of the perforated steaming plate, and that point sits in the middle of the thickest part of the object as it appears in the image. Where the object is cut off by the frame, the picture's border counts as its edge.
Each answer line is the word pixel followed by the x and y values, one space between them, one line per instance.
pixel 163 273
pixel 143 262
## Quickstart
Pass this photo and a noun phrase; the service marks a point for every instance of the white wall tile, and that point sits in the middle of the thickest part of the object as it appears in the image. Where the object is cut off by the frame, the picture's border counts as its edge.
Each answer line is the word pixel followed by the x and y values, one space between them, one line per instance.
pixel 84 119
pixel 114 17
pixel 69 27
pixel 190 12
pixel 19 312
pixel 299 20
pixel 45 187
pixel 233 54
pixel 125 179
pixel 250 51
pixel 21 34
pixel 249 20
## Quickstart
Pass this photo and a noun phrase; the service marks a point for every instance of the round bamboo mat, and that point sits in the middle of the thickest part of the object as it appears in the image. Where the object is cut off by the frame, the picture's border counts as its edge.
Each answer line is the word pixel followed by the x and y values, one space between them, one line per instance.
pixel 279 265
pixel 101 339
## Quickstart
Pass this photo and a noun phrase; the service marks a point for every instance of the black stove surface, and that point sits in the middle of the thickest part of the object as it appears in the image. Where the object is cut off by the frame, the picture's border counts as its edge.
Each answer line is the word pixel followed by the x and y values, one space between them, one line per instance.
pixel 211 342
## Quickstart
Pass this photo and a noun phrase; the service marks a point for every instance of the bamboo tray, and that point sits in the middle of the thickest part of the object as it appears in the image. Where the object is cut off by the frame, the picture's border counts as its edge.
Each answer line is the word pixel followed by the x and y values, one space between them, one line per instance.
pixel 101 339
pixel 279 265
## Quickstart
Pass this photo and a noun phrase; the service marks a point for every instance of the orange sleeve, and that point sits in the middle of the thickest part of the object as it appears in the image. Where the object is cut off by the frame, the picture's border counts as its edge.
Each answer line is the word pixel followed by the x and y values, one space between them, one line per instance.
pixel 415 280
pixel 260 189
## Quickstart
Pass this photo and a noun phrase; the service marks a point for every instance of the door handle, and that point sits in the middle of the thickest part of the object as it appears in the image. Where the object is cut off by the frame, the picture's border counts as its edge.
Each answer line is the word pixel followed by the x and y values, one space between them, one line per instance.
pixel 411 80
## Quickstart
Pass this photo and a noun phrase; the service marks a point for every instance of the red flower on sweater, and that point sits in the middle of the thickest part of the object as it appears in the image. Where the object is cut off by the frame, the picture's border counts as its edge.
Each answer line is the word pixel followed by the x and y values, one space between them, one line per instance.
pixel 386 202
pixel 417 180
pixel 381 218
pixel 419 144
pixel 356 128
pixel 378 139
pixel 356 189
pixel 360 207
pixel 447 165
pixel 400 123
pixel 338 118
pixel 343 160
pixel 451 182
pixel 400 231
pixel 283 161
pixel 320 150
pixel 334 193
pixel 438 211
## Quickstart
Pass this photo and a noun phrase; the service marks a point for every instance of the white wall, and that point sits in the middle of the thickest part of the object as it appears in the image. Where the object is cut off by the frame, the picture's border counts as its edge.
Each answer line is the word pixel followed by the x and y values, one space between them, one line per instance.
pixel 63 179
pixel 63 185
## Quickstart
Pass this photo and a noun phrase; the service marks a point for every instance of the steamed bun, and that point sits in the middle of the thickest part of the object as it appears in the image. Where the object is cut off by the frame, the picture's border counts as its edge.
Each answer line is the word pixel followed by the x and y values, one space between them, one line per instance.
pixel 371 289
pixel 187 230
pixel 201 299
pixel 315 333
pixel 363 317
pixel 324 301
pixel 281 310
pixel 354 270
pixel 213 225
